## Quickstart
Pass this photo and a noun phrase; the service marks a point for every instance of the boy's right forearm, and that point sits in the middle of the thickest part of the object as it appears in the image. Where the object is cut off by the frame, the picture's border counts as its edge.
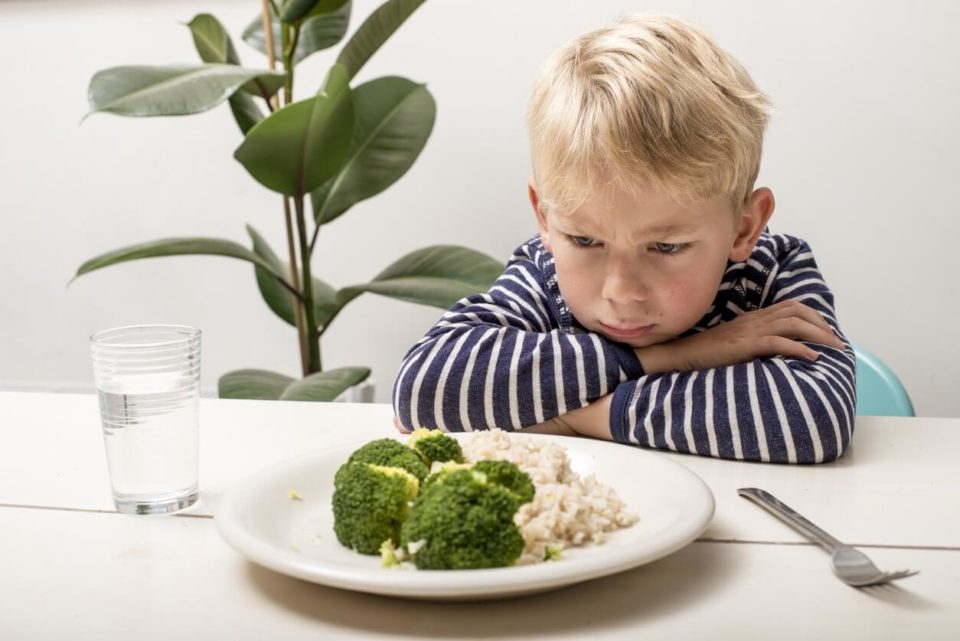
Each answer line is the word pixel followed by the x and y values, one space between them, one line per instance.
pixel 658 358
pixel 769 409
pixel 778 330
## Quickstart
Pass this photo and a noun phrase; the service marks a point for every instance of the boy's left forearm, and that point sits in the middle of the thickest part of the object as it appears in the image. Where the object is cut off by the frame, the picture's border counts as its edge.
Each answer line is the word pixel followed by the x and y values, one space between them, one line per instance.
pixel 592 420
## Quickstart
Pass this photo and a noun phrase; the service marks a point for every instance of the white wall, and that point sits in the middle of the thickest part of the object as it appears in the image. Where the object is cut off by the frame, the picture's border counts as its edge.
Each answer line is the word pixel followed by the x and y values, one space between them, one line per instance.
pixel 862 155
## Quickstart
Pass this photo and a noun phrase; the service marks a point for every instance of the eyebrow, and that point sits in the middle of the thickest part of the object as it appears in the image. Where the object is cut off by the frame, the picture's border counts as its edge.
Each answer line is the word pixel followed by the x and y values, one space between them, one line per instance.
pixel 575 227
pixel 667 229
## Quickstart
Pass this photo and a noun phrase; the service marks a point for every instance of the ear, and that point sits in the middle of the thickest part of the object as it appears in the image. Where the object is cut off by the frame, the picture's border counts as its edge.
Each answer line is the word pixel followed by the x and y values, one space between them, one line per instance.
pixel 539 214
pixel 753 220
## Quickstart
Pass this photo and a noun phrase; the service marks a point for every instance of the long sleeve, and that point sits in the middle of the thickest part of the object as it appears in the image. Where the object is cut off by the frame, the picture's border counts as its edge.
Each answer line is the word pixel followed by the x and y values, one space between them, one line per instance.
pixel 772 409
pixel 508 358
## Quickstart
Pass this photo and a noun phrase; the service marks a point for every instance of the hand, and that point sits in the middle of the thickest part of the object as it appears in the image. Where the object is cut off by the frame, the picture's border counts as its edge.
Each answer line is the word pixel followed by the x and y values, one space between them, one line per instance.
pixel 773 331
pixel 555 426
pixel 400 428
pixel 592 420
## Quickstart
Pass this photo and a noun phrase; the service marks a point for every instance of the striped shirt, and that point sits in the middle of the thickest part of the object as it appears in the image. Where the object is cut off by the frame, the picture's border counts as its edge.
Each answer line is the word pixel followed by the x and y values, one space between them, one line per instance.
pixel 515 356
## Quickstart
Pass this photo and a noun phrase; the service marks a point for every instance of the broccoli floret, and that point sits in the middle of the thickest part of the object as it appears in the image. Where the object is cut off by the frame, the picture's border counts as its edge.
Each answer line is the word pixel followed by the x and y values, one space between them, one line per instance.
pixel 435 446
pixel 462 523
pixel 503 473
pixel 370 503
pixel 386 451
pixel 440 471
pixel 509 476
pixel 390 557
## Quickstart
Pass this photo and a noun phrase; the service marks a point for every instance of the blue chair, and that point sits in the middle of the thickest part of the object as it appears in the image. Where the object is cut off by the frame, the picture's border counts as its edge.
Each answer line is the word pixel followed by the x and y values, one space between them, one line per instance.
pixel 879 391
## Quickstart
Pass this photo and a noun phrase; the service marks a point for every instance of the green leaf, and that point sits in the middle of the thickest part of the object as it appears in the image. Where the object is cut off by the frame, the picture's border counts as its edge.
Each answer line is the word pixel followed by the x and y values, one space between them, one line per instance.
pixel 266 385
pixel 297 148
pixel 212 40
pixel 394 118
pixel 245 111
pixel 170 91
pixel 316 33
pixel 175 247
pixel 325 7
pixel 325 304
pixel 278 298
pixel 325 386
pixel 253 383
pixel 294 10
pixel 439 276
pixel 214 45
pixel 375 30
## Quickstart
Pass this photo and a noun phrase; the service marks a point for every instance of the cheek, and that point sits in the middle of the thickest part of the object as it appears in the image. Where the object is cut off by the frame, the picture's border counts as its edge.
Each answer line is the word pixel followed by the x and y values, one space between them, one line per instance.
pixel 691 289
pixel 570 277
pixel 576 278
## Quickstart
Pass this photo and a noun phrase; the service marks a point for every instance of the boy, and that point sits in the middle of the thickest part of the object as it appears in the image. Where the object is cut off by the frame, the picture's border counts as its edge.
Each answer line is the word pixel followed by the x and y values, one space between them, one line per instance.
pixel 652 308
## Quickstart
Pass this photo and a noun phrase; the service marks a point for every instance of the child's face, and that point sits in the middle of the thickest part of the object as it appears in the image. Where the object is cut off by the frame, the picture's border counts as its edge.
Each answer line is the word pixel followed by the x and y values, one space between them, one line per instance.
pixel 643 269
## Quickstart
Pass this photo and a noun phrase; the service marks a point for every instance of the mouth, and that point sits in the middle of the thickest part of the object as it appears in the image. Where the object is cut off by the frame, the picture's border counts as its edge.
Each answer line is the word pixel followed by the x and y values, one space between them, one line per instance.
pixel 631 331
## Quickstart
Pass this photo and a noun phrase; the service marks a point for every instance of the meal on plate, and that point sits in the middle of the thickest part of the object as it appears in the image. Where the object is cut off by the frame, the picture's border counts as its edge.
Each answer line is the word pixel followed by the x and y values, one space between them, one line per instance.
pixel 500 500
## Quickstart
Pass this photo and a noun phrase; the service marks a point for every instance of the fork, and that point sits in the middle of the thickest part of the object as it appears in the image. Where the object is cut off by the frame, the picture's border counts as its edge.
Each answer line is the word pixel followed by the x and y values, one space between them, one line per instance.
pixel 851 566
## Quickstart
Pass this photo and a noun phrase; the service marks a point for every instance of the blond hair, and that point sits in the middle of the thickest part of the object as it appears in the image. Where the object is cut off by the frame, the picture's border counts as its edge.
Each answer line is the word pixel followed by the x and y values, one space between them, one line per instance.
pixel 647 97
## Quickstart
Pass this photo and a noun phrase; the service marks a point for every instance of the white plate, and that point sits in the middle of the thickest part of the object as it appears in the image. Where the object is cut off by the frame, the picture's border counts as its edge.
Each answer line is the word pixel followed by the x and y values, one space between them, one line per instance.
pixel 260 520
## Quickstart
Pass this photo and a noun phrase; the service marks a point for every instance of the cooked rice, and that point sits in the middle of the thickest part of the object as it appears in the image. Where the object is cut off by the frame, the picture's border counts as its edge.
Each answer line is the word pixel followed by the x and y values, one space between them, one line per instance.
pixel 566 510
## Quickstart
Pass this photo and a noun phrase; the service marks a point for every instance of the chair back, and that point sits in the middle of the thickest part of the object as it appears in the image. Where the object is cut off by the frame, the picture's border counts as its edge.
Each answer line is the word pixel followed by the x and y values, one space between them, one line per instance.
pixel 879 391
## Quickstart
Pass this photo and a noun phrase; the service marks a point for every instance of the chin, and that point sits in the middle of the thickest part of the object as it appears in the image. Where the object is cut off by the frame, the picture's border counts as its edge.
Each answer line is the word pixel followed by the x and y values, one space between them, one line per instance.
pixel 645 341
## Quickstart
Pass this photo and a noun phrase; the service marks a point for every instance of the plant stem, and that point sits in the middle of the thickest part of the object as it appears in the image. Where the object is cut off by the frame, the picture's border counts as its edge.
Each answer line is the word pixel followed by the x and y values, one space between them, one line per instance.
pixel 316 232
pixel 272 103
pixel 288 82
pixel 295 40
pixel 298 302
pixel 290 35
pixel 306 327
pixel 268 33
pixel 313 336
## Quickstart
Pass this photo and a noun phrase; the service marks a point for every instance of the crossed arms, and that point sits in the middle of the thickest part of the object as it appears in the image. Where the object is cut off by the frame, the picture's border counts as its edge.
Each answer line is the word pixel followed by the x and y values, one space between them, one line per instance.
pixel 768 377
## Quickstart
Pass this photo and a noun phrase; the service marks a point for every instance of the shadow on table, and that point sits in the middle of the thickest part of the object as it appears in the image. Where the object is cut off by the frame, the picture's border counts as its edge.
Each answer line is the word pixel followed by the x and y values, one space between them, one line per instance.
pixel 893 594
pixel 660 589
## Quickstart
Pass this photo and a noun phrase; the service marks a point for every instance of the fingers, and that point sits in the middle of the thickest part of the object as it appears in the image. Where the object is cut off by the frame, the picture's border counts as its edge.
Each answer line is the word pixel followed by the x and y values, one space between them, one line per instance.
pixel 793 319
pixel 782 346
pixel 788 308
pixel 801 329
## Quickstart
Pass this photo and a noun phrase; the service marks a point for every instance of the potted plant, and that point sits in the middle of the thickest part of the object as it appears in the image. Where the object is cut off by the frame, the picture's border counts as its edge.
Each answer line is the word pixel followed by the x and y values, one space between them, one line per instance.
pixel 321 154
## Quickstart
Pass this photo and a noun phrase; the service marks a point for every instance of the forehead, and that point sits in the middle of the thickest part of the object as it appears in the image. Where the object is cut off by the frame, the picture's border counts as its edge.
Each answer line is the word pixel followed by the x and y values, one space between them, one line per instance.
pixel 644 211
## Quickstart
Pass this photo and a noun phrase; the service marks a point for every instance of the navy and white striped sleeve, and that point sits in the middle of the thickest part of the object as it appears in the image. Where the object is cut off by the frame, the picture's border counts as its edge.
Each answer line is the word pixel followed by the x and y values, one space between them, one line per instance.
pixel 773 409
pixel 500 359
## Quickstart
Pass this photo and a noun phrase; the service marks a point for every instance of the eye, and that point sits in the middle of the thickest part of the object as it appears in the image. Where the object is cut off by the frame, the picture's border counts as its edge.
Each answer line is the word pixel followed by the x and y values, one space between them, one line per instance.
pixel 669 248
pixel 583 241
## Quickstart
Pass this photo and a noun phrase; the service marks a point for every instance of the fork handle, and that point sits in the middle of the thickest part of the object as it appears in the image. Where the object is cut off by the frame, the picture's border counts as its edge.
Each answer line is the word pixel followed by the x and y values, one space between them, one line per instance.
pixel 789 516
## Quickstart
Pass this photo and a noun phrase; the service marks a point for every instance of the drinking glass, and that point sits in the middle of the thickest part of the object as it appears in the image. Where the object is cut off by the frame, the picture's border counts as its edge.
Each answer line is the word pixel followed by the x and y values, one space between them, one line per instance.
pixel 148 381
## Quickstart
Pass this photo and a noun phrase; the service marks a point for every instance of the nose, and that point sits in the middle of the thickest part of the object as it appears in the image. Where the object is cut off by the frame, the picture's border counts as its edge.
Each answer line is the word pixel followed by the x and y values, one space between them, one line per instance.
pixel 624 281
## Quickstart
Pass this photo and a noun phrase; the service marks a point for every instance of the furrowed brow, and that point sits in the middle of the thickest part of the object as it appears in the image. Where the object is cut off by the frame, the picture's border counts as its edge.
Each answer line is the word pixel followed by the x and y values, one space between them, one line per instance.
pixel 669 229
pixel 576 228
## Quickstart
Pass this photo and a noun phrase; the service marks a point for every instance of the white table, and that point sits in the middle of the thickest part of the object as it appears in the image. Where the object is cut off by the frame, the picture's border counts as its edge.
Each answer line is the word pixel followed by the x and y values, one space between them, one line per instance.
pixel 70 566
